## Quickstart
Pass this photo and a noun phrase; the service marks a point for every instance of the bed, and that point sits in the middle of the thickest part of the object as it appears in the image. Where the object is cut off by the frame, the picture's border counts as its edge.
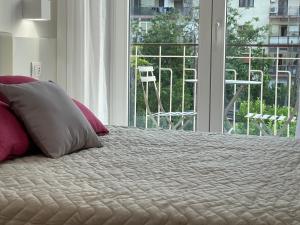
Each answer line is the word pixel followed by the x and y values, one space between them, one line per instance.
pixel 157 177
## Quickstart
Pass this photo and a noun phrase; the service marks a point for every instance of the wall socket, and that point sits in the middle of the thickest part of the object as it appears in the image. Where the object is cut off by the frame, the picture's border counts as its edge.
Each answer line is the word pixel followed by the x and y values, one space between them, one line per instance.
pixel 36 69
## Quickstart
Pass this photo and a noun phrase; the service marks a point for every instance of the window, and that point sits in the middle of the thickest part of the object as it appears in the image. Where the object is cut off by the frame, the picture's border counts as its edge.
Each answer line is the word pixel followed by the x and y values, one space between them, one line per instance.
pixel 163 54
pixel 246 3
pixel 280 61
pixel 242 65
pixel 161 3
pixel 283 7
pixel 293 30
pixel 137 3
pixel 283 31
pixel 136 6
pixel 178 66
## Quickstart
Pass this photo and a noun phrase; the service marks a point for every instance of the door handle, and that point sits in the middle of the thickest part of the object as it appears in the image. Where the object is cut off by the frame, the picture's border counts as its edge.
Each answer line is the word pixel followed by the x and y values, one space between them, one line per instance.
pixel 218 26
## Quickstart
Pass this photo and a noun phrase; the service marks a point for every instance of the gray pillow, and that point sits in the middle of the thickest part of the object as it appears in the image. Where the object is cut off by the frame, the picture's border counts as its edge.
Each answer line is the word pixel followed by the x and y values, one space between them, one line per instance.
pixel 51 118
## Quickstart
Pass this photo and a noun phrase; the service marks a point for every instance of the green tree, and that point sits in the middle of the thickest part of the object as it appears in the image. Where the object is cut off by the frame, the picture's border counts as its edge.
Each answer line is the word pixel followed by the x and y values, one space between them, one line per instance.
pixel 241 38
pixel 241 126
pixel 167 30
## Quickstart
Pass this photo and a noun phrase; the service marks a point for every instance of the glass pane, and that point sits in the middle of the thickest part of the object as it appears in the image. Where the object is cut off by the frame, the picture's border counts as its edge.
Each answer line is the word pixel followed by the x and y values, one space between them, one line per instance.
pixel 262 67
pixel 163 74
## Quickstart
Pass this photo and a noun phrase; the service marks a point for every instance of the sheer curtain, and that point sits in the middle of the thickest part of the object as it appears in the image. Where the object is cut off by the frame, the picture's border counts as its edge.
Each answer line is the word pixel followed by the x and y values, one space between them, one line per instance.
pixel 83 52
pixel 298 116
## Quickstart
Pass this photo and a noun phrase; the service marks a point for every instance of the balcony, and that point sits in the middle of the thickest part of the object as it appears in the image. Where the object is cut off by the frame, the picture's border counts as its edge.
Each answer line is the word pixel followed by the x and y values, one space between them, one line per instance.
pixel 284 12
pixel 265 107
pixel 148 12
pixel 284 40
pixel 293 69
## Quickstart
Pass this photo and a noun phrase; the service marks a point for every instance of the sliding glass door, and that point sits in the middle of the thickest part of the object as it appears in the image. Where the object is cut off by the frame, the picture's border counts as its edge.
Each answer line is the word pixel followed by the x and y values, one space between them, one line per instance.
pixel 164 37
pixel 262 67
pixel 215 65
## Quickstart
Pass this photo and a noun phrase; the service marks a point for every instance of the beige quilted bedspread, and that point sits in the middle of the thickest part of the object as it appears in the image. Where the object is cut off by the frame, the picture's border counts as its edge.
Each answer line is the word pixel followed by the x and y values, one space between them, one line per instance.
pixel 157 178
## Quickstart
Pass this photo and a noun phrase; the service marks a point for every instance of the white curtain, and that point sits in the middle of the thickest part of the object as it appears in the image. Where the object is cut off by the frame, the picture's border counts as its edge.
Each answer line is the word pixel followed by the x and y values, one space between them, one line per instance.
pixel 83 27
pixel 298 116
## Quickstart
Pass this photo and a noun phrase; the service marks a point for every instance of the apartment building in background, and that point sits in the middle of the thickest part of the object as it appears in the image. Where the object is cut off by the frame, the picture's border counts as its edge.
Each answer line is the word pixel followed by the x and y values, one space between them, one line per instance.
pixel 147 8
pixel 283 20
pixel 144 10
pixel 281 16
pixel 284 24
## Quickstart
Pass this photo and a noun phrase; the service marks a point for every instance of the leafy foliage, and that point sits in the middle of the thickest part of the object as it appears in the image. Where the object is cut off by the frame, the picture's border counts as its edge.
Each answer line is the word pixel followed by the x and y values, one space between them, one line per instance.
pixel 241 126
pixel 240 40
pixel 168 29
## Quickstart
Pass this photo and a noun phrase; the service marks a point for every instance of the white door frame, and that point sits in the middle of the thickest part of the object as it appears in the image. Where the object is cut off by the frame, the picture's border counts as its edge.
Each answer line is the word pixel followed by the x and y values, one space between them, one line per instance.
pixel 210 104
pixel 204 66
pixel 217 66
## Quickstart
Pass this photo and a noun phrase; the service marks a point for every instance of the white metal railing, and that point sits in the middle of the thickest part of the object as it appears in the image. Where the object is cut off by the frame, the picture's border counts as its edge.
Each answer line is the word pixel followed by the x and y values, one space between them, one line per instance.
pixel 152 11
pixel 284 40
pixel 277 58
pixel 185 69
pixel 249 57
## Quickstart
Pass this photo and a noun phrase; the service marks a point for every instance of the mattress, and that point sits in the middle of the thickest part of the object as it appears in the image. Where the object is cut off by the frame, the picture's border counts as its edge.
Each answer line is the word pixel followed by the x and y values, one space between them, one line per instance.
pixel 157 177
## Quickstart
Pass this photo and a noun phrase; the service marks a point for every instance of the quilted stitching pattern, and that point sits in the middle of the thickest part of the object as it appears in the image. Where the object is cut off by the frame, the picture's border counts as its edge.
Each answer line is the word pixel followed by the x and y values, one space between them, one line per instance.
pixel 157 178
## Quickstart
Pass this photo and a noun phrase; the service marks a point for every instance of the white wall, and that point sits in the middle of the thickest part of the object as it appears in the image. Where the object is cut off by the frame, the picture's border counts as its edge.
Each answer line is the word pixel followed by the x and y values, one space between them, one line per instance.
pixel 5 53
pixel 32 40
pixel 261 10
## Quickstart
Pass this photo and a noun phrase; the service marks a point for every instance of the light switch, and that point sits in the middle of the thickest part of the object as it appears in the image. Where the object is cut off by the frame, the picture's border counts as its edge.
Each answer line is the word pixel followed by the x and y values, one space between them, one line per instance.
pixel 36 70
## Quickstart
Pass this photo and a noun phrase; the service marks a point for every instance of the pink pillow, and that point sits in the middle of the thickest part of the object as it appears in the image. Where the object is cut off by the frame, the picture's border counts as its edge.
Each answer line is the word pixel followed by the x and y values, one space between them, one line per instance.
pixel 14 140
pixel 97 125
pixel 13 80
pixel 8 79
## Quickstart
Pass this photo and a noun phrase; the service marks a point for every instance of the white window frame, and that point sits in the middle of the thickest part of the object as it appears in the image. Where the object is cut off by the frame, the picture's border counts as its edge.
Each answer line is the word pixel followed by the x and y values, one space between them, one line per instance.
pixel 204 67
pixel 210 104
pixel 217 66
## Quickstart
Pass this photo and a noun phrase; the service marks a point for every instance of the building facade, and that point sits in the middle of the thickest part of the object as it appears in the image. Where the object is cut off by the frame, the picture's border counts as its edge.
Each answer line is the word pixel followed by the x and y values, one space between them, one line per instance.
pixel 282 17
pixel 145 10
